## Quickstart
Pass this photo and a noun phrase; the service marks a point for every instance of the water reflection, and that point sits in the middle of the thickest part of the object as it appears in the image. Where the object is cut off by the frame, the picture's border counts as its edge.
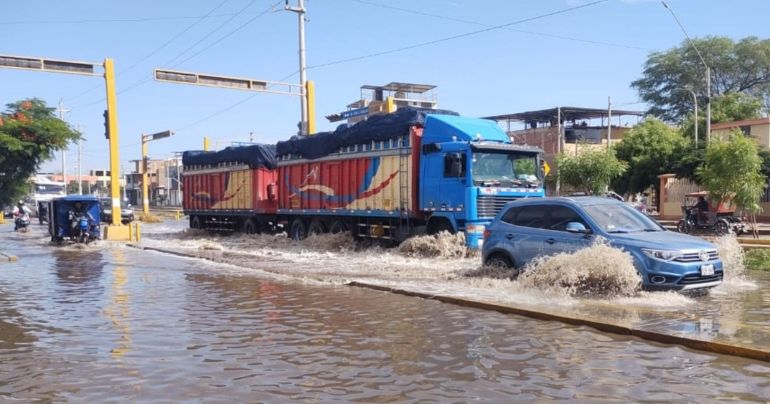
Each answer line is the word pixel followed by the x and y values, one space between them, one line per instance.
pixel 152 327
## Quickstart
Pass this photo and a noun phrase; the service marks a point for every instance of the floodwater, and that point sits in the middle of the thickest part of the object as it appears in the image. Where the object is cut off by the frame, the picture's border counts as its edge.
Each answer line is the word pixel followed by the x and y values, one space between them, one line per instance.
pixel 109 322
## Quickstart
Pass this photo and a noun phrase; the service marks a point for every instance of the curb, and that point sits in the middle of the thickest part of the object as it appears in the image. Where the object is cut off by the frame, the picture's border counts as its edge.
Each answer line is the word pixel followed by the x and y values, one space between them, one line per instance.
pixel 654 336
pixel 8 257
pixel 701 345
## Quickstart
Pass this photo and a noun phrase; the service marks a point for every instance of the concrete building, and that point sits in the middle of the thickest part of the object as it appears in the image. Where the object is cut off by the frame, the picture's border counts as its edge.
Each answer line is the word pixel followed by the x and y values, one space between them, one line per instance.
pixel 757 129
pixel 164 176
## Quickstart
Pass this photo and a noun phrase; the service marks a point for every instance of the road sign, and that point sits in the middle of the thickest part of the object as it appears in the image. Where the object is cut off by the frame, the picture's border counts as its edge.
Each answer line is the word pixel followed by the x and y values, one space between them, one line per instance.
pixel 160 135
pixel 354 112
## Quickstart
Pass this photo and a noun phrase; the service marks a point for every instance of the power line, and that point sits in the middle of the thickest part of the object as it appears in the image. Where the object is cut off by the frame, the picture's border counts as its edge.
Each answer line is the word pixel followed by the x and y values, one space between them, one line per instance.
pixel 145 80
pixel 158 49
pixel 458 36
pixel 544 34
pixel 222 38
pixel 112 20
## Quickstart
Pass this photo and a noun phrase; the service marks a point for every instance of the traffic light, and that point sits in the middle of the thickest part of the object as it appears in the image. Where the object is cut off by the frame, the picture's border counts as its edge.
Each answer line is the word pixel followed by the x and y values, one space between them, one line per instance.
pixel 106 125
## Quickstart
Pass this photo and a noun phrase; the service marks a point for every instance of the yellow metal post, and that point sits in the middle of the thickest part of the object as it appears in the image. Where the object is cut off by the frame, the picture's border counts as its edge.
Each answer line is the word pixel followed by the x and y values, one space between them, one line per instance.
pixel 310 94
pixel 390 105
pixel 206 143
pixel 145 186
pixel 114 231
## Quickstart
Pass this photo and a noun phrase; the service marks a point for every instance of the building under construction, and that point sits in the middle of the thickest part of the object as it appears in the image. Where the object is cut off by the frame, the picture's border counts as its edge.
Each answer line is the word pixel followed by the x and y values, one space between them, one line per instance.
pixel 382 99
pixel 568 129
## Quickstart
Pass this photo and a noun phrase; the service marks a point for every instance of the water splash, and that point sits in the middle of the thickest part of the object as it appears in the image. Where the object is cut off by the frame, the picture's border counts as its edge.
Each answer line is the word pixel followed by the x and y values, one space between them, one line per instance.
pixel 597 271
pixel 442 245
pixel 733 260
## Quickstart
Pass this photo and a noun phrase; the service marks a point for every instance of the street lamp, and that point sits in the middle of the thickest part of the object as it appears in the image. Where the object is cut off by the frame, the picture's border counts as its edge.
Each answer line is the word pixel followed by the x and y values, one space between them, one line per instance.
pixel 695 101
pixel 145 166
pixel 708 73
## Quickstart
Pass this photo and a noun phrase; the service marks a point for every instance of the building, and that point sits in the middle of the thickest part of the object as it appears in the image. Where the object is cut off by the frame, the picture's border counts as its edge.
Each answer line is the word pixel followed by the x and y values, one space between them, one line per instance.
pixel 374 100
pixel 567 129
pixel 164 176
pixel 758 129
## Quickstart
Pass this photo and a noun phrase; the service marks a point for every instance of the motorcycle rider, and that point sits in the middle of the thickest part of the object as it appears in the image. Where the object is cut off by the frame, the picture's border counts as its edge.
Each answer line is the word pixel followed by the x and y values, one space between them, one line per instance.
pixel 19 212
pixel 703 207
pixel 42 212
pixel 78 211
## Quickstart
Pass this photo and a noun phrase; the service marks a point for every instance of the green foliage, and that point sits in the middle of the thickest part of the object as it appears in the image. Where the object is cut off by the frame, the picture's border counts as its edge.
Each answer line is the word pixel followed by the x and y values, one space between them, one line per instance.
pixel 758 258
pixel 732 171
pixel 524 166
pixel 736 67
pixel 591 171
pixel 29 135
pixel 650 149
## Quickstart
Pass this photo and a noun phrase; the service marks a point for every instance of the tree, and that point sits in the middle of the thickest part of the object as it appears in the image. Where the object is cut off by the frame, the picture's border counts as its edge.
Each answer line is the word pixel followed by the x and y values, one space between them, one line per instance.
pixel 732 172
pixel 650 149
pixel 29 135
pixel 591 171
pixel 742 67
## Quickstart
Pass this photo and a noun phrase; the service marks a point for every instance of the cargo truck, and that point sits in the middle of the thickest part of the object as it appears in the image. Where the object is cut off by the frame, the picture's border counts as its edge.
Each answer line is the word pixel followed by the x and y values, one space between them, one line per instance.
pixel 390 177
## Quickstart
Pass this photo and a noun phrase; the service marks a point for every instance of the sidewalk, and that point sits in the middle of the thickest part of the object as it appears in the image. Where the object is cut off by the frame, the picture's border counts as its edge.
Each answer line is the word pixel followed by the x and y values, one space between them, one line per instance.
pixel 746 240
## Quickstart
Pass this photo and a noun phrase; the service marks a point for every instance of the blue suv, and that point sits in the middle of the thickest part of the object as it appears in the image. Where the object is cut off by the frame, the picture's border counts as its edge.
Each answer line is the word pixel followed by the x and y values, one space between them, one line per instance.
pixel 528 228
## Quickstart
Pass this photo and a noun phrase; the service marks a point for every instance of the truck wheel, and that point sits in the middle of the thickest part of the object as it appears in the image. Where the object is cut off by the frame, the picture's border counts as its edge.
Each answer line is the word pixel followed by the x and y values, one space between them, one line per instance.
pixel 338 226
pixel 195 222
pixel 316 227
pixel 297 230
pixel 249 227
pixel 438 225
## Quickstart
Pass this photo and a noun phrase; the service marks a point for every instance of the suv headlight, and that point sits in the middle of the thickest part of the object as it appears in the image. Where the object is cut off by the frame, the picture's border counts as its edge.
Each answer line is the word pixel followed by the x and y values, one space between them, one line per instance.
pixel 665 255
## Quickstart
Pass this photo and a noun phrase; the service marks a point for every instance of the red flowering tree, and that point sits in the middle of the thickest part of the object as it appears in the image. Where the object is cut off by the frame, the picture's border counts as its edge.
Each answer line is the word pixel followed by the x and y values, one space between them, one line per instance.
pixel 30 134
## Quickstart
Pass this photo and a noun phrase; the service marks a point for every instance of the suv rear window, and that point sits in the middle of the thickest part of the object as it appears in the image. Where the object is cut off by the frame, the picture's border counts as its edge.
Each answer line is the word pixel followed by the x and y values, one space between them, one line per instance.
pixel 531 216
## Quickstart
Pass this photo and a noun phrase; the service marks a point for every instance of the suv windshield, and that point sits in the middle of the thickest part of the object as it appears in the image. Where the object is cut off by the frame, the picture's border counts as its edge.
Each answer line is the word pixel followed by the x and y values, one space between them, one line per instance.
pixel 620 218
pixel 506 169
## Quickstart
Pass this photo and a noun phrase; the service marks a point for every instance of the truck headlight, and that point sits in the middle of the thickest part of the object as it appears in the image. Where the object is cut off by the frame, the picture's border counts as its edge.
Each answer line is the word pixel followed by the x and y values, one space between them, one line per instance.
pixel 664 255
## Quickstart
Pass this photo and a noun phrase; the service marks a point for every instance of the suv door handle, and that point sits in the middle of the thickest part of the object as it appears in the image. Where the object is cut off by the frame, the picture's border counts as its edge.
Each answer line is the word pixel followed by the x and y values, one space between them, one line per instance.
pixel 509 236
pixel 550 241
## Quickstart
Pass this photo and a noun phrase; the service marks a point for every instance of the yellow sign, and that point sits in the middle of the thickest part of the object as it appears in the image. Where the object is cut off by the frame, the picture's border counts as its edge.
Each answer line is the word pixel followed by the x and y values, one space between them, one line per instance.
pixel 546 168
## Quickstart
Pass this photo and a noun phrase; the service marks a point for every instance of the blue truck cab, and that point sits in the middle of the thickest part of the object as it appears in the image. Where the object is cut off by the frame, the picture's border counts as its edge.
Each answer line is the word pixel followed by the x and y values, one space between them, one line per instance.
pixel 469 169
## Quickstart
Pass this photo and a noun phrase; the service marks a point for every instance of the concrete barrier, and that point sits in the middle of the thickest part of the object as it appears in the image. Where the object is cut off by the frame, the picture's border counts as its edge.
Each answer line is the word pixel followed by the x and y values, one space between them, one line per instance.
pixel 7 257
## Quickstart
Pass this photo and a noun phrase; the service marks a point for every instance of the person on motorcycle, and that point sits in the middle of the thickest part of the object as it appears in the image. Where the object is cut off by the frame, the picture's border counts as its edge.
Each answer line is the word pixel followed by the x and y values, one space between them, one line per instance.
pixel 42 212
pixel 703 207
pixel 79 211
pixel 19 212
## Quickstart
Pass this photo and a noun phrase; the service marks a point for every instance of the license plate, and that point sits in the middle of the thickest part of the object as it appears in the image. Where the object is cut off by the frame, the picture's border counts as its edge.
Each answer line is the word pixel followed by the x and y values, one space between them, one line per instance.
pixel 707 269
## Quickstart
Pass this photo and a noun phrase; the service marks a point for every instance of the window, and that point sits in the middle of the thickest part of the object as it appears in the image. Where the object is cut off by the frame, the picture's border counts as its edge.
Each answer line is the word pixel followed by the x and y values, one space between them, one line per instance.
pixel 561 215
pixel 454 158
pixel 510 215
pixel 531 216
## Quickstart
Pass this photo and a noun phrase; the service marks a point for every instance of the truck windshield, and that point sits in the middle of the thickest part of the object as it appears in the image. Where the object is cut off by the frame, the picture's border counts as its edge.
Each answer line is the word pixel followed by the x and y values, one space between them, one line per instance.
pixel 504 169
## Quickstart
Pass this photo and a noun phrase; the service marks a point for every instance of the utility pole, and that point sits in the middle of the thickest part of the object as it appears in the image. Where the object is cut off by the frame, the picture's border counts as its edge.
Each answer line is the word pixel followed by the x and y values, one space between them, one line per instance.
pixel 63 152
pixel 708 72
pixel 609 122
pixel 80 177
pixel 300 10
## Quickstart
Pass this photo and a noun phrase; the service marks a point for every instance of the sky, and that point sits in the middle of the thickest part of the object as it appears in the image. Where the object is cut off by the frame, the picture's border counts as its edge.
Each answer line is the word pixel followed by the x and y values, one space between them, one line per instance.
pixel 529 55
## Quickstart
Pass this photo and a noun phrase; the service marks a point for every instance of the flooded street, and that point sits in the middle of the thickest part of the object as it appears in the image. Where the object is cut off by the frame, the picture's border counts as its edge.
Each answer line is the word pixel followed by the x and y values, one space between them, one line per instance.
pixel 264 320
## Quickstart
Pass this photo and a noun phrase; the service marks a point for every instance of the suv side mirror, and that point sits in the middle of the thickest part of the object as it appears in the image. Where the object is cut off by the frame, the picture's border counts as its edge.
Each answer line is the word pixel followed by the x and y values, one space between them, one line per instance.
pixel 577 227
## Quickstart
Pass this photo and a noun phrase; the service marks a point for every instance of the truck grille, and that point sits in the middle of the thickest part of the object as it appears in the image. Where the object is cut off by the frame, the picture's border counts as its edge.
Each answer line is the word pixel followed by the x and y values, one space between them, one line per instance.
pixel 693 257
pixel 490 205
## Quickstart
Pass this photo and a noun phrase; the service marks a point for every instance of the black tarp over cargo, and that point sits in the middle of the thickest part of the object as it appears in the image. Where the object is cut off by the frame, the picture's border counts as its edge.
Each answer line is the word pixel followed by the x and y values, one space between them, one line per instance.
pixel 375 128
pixel 254 156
